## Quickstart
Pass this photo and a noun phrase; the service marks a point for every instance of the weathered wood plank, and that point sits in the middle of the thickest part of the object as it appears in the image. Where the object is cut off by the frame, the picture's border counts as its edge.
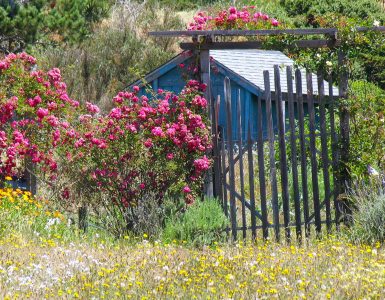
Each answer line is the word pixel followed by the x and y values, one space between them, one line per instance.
pixel 258 45
pixel 251 182
pixel 260 32
pixel 313 152
pixel 302 137
pixel 324 148
pixel 218 192
pixel 282 152
pixel 293 148
pixel 335 152
pixel 30 176
pixel 236 159
pixel 205 79
pixel 241 173
pixel 273 172
pixel 261 171
pixel 230 144
pixel 224 178
pixel 344 115
pixel 247 204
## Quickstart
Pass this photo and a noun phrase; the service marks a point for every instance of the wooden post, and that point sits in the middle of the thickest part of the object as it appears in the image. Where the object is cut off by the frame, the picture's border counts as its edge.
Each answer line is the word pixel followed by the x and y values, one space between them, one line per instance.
pixel 280 104
pixel 313 152
pixel 324 148
pixel 204 58
pixel 273 171
pixel 344 178
pixel 83 218
pixel 230 145
pixel 293 147
pixel 302 138
pixel 30 176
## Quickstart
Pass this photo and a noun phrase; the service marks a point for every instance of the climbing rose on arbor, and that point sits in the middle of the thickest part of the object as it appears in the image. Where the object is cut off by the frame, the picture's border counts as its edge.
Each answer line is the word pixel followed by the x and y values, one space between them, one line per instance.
pixel 247 17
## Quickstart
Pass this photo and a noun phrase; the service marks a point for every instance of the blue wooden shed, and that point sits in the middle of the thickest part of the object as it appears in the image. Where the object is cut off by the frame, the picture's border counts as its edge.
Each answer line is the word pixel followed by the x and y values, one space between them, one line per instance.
pixel 244 68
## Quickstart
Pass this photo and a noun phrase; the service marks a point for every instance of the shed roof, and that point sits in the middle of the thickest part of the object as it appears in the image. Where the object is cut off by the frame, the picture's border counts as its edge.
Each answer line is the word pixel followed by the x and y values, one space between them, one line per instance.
pixel 250 65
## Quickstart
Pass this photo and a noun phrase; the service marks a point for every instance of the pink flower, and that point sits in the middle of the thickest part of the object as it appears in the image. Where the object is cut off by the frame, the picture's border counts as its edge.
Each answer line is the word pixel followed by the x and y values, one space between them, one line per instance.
pixel 148 143
pixel 170 156
pixel 53 121
pixel 92 108
pixel 232 10
pixel 157 131
pixel 42 112
pixel 66 193
pixel 274 22
pixel 186 189
pixel 3 65
pixel 80 142
pixel 202 164
pixel 232 17
pixel 136 89
pixel 199 101
pixel 142 186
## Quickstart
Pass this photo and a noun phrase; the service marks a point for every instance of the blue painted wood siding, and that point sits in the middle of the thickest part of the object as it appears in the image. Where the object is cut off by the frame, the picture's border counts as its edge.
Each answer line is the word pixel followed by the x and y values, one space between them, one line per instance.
pixel 174 81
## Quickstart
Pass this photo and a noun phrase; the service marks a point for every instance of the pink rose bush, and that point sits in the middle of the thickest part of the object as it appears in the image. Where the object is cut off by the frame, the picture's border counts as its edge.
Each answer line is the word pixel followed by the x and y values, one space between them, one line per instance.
pixel 112 160
pixel 248 17
pixel 34 113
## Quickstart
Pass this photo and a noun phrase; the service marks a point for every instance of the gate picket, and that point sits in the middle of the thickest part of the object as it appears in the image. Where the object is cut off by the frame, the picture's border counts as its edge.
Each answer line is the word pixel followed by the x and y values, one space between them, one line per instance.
pixel 233 208
pixel 324 151
pixel 223 178
pixel 251 182
pixel 301 121
pixel 293 149
pixel 273 172
pixel 313 152
pixel 241 174
pixel 261 171
pixel 282 152
pixel 335 153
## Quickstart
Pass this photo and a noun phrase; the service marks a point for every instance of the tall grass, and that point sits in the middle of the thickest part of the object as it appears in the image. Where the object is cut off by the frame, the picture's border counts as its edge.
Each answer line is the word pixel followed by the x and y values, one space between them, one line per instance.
pixel 368 213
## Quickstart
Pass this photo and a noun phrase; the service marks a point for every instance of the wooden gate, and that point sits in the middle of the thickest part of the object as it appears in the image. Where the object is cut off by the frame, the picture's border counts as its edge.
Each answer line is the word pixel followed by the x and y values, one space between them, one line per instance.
pixel 286 178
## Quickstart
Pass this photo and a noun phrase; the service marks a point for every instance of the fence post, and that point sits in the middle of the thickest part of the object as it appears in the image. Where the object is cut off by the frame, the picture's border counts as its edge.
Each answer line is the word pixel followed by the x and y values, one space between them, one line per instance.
pixel 30 176
pixel 204 58
pixel 344 174
pixel 83 218
pixel 230 145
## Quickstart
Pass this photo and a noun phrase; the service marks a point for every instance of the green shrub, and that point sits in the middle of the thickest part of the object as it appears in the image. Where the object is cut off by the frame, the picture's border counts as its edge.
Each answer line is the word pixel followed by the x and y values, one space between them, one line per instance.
pixel 116 54
pixel 203 223
pixel 184 4
pixel 356 9
pixel 369 216
pixel 367 110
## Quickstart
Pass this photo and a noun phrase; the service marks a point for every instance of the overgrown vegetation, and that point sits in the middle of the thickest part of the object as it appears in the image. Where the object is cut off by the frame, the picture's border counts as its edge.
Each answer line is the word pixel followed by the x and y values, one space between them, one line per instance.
pixel 203 223
pixel 369 214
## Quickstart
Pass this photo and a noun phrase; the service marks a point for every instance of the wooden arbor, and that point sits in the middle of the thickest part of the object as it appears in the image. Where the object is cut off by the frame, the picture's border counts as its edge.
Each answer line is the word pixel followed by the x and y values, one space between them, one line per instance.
pixel 223 182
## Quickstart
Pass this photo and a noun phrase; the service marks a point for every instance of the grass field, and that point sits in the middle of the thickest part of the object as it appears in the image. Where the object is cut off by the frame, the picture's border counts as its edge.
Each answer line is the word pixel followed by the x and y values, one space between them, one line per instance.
pixel 328 269
pixel 43 256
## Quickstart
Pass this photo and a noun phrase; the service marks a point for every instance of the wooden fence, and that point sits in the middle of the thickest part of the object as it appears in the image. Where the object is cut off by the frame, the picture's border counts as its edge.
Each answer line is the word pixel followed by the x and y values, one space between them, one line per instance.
pixel 286 179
